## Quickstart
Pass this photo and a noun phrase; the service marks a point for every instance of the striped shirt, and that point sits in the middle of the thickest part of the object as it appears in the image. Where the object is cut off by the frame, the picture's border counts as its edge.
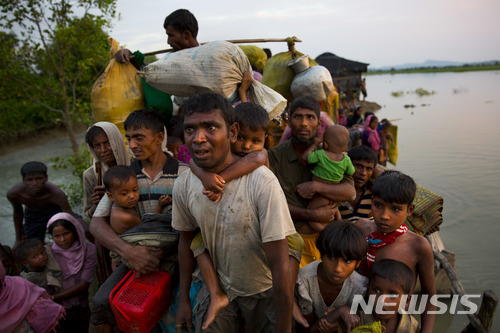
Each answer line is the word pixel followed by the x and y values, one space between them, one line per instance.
pixel 363 208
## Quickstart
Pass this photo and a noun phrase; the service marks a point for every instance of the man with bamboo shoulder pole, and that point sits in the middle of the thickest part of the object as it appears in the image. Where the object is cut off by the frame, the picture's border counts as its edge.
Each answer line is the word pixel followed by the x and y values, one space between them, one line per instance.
pixel 181 28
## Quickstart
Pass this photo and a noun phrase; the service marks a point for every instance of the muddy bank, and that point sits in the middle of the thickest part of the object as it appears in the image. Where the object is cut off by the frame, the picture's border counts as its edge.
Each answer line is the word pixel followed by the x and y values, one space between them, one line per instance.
pixel 369 106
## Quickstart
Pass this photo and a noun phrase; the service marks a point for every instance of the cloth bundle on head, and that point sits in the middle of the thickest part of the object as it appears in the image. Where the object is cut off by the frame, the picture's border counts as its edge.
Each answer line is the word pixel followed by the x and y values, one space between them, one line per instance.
pixel 117 145
pixel 22 300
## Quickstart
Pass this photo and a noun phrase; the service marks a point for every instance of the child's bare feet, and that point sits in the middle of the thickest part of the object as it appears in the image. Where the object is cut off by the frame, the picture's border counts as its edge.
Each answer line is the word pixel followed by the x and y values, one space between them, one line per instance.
pixel 216 304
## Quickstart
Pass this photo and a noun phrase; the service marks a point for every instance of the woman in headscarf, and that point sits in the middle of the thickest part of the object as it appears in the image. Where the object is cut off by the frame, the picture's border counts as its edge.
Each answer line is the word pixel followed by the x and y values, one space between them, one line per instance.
pixel 105 143
pixel 77 260
pixel 25 307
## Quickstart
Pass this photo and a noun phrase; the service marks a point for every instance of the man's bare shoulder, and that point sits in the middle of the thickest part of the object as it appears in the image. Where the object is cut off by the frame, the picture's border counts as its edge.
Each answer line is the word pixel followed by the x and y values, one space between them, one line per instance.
pixel 14 194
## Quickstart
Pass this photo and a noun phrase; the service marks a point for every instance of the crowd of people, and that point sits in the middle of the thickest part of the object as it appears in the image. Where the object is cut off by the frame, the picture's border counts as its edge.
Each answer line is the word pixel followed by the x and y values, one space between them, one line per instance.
pixel 282 238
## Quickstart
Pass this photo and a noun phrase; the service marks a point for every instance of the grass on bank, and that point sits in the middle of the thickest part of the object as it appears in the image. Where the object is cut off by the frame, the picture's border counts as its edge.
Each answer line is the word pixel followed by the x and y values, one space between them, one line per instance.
pixel 436 70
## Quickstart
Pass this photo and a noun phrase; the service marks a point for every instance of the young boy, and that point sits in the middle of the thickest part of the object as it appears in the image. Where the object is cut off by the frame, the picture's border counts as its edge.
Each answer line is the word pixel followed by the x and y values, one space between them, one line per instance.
pixel 389 238
pixel 253 123
pixel 392 280
pixel 333 282
pixel 40 267
pixel 41 200
pixel 122 189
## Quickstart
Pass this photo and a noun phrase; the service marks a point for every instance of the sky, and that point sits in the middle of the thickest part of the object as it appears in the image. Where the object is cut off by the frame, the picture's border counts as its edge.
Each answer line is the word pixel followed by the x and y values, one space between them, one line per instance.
pixel 381 33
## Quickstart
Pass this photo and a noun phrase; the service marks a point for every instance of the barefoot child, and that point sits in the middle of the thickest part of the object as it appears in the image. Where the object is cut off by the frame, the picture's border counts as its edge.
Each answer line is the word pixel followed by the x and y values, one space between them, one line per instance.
pixel 40 267
pixel 332 282
pixel 122 189
pixel 253 123
pixel 330 165
pixel 391 280
pixel 389 238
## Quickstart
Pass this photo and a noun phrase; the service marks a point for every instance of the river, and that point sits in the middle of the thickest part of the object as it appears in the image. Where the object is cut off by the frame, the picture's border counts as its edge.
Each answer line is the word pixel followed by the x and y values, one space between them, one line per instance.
pixel 446 143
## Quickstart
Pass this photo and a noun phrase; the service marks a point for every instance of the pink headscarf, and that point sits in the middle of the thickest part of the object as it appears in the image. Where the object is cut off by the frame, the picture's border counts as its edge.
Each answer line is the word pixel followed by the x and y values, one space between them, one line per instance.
pixel 373 138
pixel 18 298
pixel 70 260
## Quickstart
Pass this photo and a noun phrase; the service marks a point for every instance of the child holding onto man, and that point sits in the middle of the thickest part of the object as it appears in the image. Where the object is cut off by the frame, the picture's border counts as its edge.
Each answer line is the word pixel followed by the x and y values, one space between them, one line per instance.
pixel 39 265
pixel 389 238
pixel 330 165
pixel 253 121
pixel 392 280
pixel 122 189
pixel 333 282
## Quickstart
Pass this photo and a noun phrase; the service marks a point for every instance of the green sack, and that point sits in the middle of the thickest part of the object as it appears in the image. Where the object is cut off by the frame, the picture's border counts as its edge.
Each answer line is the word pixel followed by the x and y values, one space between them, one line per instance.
pixel 279 76
pixel 256 55
pixel 157 100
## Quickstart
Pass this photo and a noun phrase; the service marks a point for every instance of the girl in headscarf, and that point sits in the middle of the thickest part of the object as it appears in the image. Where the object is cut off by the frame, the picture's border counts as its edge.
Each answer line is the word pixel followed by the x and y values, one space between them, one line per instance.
pixel 25 307
pixel 105 143
pixel 77 260
pixel 370 136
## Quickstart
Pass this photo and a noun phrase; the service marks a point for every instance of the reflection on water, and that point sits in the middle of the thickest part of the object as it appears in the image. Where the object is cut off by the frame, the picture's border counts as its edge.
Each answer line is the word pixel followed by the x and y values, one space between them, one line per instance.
pixel 450 145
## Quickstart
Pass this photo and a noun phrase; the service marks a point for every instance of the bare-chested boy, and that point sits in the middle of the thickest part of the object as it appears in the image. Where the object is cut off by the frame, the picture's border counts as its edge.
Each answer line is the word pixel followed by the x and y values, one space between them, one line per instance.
pixel 41 200
pixel 389 238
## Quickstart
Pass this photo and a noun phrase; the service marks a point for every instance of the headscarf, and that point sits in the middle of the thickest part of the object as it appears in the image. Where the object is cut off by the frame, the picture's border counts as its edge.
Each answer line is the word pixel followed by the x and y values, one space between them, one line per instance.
pixel 117 143
pixel 70 260
pixel 18 297
pixel 373 137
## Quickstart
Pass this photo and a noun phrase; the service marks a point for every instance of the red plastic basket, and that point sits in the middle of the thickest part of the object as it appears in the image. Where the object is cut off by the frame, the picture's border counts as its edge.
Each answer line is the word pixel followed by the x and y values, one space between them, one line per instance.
pixel 139 303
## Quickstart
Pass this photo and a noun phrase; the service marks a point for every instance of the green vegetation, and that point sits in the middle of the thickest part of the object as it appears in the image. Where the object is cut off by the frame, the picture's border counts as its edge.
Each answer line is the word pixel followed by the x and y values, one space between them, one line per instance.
pixel 422 92
pixel 419 91
pixel 50 63
pixel 465 68
pixel 74 191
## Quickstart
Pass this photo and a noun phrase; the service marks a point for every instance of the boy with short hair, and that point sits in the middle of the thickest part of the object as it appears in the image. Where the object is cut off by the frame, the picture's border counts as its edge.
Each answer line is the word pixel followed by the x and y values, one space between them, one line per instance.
pixel 391 280
pixel 40 267
pixel 122 189
pixel 41 200
pixel 389 238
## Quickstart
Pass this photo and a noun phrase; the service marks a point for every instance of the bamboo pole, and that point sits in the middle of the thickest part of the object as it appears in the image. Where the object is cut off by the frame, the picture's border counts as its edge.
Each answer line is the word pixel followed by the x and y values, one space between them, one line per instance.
pixel 458 289
pixel 236 41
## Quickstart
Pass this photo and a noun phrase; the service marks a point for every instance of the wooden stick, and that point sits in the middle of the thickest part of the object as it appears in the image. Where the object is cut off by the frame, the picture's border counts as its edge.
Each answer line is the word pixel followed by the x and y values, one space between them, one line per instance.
pixel 98 170
pixel 234 41
pixel 486 312
pixel 458 289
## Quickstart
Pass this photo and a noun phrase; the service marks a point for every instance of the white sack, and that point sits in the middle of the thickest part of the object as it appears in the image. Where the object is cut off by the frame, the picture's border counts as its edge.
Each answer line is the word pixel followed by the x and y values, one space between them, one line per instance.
pixel 217 67
pixel 315 82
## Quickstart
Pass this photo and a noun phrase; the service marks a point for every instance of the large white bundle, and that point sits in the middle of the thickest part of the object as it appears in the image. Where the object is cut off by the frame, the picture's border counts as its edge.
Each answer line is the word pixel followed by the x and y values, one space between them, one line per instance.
pixel 217 67
pixel 315 82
